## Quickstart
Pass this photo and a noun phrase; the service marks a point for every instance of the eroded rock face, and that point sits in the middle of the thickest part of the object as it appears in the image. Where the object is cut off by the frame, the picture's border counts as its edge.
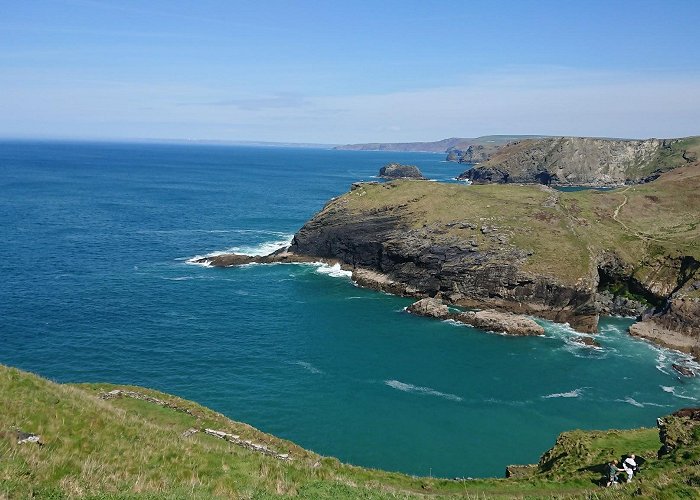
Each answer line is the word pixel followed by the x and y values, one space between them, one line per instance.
pixel 429 261
pixel 399 171
pixel 677 326
pixel 473 154
pixel 677 429
pixel 570 161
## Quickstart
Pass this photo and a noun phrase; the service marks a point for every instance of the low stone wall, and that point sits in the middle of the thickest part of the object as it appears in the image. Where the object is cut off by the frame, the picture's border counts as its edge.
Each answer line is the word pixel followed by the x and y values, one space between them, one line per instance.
pixel 231 438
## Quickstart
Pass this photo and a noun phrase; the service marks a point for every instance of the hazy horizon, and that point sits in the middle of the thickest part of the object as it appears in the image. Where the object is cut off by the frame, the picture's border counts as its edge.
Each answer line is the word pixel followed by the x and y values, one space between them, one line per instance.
pixel 331 74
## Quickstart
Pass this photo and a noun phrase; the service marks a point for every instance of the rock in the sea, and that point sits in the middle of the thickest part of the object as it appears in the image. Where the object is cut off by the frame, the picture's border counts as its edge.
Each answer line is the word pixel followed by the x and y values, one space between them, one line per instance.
pixel 433 308
pixel 399 171
pixel 683 370
pixel 587 341
pixel 495 321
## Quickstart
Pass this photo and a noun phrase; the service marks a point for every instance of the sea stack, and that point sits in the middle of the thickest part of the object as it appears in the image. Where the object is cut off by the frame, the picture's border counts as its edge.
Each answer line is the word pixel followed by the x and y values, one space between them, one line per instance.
pixel 399 171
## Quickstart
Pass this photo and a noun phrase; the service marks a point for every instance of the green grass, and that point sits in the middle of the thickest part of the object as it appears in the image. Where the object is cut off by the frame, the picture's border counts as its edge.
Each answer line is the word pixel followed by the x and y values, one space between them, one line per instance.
pixel 659 219
pixel 127 448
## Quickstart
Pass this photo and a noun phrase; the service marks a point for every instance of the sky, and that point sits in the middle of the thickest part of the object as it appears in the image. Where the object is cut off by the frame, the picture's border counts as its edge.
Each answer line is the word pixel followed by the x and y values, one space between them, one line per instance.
pixel 345 72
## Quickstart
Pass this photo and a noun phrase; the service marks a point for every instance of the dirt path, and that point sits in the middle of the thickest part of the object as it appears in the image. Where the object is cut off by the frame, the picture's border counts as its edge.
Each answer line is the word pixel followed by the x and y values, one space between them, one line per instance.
pixel 630 231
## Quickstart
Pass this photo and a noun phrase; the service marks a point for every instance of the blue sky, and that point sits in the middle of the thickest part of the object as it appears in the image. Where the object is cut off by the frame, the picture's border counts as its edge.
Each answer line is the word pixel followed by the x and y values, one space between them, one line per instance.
pixel 339 72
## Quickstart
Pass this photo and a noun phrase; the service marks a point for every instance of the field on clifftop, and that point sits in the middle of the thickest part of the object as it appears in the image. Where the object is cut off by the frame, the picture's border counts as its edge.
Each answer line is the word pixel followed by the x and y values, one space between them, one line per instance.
pixel 564 231
pixel 127 448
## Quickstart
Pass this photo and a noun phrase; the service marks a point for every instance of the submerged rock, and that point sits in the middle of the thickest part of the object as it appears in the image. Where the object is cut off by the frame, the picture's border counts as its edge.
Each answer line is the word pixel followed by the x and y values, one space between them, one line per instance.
pixel 683 370
pixel 587 341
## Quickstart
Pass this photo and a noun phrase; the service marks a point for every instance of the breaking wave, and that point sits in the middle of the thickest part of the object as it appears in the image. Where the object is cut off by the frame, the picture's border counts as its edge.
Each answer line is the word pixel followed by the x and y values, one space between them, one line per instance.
pixel 283 240
pixel 634 402
pixel 672 390
pixel 308 367
pixel 334 270
pixel 401 386
pixel 571 394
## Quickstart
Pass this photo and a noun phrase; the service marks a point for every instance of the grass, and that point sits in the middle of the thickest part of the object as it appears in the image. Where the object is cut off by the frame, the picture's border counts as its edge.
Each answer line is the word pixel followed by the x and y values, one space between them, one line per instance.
pixel 564 231
pixel 127 448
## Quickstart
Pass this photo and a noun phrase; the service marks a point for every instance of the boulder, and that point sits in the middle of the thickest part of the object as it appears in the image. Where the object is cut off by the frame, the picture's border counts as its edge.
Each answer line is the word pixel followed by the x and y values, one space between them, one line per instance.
pixel 495 321
pixel 430 307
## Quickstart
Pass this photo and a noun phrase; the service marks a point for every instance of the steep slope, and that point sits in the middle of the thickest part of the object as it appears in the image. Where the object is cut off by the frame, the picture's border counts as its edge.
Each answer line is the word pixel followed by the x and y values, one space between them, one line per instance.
pixel 584 161
pixel 525 249
pixel 146 444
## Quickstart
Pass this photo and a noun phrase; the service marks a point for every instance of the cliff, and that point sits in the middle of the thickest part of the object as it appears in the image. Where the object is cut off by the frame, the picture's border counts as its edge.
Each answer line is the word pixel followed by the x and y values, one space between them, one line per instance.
pixel 458 144
pixel 524 249
pixel 564 256
pixel 584 161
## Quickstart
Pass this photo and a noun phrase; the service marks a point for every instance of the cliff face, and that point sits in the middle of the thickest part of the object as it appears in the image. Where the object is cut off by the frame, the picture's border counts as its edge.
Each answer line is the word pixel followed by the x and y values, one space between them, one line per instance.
pixel 467 261
pixel 527 249
pixel 565 256
pixel 478 153
pixel 584 161
pixel 442 146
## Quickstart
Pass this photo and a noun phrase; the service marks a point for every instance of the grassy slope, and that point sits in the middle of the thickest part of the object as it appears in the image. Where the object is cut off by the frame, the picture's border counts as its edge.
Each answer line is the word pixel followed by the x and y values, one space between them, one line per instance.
pixel 125 448
pixel 659 218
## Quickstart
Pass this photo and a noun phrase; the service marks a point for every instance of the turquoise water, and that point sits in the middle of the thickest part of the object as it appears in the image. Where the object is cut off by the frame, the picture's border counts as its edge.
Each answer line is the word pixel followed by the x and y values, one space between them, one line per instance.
pixel 96 287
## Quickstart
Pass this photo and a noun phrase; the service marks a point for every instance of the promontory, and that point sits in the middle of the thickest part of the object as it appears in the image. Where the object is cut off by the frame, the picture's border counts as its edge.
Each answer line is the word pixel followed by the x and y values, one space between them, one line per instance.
pixel 526 249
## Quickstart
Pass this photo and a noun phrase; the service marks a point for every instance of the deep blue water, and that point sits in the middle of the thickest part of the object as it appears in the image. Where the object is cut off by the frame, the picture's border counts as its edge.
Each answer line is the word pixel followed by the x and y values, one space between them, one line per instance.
pixel 96 287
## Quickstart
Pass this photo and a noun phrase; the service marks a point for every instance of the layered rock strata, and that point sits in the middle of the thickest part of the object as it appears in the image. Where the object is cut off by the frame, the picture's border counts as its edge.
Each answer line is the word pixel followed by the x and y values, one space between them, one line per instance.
pixel 582 161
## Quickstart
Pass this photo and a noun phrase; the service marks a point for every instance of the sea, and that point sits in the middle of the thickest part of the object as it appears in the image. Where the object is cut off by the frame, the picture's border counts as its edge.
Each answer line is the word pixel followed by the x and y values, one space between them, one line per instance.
pixel 98 284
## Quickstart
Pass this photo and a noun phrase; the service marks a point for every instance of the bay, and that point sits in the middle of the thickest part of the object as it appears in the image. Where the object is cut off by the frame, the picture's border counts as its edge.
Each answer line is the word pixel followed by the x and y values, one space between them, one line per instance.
pixel 96 287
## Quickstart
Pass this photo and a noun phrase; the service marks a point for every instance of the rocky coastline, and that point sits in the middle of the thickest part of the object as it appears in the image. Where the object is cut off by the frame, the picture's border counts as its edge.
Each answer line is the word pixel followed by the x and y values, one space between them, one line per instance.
pixel 578 161
pixel 524 250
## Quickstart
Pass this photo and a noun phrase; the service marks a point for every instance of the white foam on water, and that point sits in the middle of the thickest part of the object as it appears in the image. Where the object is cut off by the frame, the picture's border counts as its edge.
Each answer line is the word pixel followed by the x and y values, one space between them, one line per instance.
pixel 571 394
pixel 507 403
pixel 672 390
pixel 308 367
pixel 401 386
pixel 335 270
pixel 196 261
pixel 452 322
pixel 265 248
pixel 631 401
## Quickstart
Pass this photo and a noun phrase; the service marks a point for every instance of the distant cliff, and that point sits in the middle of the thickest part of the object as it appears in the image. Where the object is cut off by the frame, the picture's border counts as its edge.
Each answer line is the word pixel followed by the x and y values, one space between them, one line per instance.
pixel 584 161
pixel 456 144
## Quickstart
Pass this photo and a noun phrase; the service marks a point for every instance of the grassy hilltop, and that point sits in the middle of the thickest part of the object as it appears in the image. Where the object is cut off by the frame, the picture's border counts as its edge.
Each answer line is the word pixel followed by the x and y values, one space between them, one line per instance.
pixel 126 448
pixel 564 230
